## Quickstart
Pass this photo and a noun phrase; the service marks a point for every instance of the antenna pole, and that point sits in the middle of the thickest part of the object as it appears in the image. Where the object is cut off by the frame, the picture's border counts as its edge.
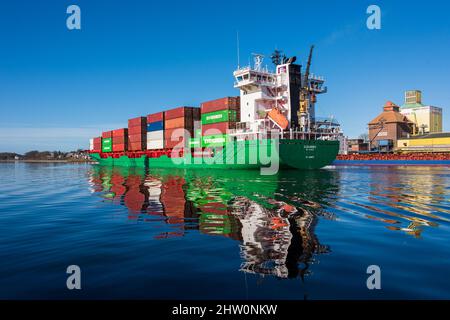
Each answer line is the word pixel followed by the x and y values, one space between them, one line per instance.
pixel 237 41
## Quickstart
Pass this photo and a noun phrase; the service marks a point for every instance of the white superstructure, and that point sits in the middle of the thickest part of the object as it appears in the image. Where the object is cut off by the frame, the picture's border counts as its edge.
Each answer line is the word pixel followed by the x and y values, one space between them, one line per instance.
pixel 273 100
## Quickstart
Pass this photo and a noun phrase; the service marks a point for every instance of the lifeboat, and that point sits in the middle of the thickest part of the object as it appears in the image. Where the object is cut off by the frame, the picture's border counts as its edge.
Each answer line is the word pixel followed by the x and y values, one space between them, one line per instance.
pixel 278 118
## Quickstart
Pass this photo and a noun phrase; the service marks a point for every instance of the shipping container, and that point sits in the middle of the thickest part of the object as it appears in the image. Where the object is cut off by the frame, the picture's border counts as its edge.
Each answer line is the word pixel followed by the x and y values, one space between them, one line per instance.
pixel 179 113
pixel 137 137
pixel 91 144
pixel 97 146
pixel 214 140
pixel 120 132
pixel 107 145
pixel 97 141
pixel 215 128
pixel 227 103
pixel 116 147
pixel 155 144
pixel 155 117
pixel 120 140
pixel 183 122
pixel 137 122
pixel 155 135
pixel 219 116
pixel 107 134
pixel 137 130
pixel 180 135
pixel 137 146
pixel 155 126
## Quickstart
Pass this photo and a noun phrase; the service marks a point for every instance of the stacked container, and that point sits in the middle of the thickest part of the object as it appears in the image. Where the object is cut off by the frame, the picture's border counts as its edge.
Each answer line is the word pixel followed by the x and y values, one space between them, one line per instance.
pixel 95 144
pixel 176 119
pixel 218 116
pixel 107 141
pixel 137 134
pixel 120 140
pixel 155 131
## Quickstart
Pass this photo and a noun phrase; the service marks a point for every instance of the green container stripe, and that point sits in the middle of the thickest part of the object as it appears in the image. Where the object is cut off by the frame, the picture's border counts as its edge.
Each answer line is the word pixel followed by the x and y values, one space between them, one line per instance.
pixel 219 116
pixel 107 145
pixel 215 140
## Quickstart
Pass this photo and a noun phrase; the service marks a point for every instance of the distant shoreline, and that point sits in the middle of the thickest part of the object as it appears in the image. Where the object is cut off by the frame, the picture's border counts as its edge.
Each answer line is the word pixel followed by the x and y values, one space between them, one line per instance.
pixel 49 161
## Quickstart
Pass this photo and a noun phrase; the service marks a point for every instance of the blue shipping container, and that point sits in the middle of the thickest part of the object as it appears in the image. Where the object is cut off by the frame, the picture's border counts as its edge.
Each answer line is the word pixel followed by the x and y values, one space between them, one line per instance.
pixel 385 143
pixel 155 126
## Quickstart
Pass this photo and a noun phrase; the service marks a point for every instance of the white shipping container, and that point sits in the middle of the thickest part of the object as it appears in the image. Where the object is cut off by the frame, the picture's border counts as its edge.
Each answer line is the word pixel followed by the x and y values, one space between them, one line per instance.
pixel 155 144
pixel 155 135
pixel 91 144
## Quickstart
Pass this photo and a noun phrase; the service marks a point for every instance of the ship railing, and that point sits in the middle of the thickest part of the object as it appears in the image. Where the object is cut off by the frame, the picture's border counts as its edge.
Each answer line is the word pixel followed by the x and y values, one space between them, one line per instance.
pixel 285 135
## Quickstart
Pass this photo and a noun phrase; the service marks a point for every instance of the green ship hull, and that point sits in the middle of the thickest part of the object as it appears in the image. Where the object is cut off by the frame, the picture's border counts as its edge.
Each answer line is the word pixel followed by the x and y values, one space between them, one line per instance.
pixel 288 154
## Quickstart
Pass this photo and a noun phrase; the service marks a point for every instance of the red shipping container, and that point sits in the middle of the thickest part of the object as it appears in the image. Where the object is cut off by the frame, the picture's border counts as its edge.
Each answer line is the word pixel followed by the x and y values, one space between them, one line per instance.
pixel 219 128
pixel 119 147
pixel 182 122
pixel 98 141
pixel 227 103
pixel 139 121
pixel 137 130
pixel 107 134
pixel 120 140
pixel 136 146
pixel 120 132
pixel 168 143
pixel 155 117
pixel 179 113
pixel 137 138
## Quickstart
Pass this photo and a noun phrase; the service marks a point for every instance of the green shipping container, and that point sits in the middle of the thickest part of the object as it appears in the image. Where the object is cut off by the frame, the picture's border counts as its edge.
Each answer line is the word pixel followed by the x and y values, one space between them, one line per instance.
pixel 219 116
pixel 107 145
pixel 216 140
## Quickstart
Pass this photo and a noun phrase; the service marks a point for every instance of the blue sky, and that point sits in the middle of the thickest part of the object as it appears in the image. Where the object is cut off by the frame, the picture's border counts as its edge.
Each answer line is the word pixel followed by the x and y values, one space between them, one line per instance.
pixel 131 58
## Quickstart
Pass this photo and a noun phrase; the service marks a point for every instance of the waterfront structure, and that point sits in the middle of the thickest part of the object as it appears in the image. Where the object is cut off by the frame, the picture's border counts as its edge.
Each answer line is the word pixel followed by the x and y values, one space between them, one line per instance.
pixel 427 118
pixel 433 142
pixel 388 127
pixel 357 145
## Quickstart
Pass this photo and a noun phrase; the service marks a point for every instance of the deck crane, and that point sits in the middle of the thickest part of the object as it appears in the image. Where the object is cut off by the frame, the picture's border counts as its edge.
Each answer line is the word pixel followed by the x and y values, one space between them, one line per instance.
pixel 305 97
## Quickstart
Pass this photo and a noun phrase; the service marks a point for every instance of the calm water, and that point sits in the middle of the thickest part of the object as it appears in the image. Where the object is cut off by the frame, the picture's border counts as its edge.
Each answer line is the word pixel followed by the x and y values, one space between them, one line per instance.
pixel 224 234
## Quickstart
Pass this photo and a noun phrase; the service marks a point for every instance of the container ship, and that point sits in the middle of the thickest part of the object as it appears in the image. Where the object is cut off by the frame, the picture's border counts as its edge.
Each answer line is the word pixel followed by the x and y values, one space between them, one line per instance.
pixel 272 120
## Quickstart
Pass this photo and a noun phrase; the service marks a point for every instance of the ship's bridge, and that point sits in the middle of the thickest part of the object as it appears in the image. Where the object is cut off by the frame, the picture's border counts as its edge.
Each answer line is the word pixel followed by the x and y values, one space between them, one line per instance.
pixel 248 78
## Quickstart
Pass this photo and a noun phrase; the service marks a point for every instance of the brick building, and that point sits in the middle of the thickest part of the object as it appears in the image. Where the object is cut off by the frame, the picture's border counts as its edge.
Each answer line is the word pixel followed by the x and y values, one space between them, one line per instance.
pixel 389 126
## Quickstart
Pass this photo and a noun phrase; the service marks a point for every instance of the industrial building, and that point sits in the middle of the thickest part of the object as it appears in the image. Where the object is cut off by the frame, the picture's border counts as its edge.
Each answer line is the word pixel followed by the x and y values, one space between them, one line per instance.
pixel 388 127
pixel 427 119
pixel 433 142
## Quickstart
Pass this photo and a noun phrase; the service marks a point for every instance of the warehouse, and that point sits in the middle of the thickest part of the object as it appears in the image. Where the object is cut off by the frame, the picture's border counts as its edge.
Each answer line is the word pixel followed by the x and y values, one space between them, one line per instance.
pixel 433 142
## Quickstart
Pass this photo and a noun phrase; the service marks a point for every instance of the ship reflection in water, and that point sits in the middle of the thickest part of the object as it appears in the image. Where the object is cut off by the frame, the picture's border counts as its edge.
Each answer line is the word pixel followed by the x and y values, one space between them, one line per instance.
pixel 274 223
